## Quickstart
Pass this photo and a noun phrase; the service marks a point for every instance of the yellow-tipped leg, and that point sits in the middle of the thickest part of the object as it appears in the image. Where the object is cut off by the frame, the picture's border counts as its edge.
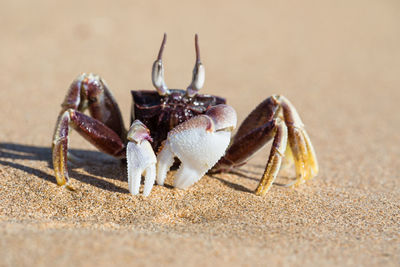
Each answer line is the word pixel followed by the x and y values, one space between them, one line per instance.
pixel 288 159
pixel 274 118
pixel 304 155
pixel 57 165
pixel 275 159
pixel 300 154
pixel 92 129
pixel 312 158
pixel 287 162
pixel 59 151
pixel 303 152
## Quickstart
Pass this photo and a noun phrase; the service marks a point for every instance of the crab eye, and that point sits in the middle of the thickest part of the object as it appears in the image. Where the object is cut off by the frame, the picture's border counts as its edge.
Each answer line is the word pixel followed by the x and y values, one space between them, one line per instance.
pixel 198 73
pixel 198 77
pixel 157 77
pixel 157 74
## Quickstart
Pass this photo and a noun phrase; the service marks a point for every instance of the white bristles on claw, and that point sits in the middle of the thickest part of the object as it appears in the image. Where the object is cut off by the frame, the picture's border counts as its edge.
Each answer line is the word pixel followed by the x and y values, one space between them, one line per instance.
pixel 165 159
pixel 197 149
pixel 141 159
pixel 197 144
pixel 197 155
pixel 150 177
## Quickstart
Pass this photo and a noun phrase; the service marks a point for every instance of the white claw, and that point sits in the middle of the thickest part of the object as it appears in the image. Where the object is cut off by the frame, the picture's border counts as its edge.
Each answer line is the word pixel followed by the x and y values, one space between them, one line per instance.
pixel 165 159
pixel 141 159
pixel 149 179
pixel 198 151
pixel 198 143
pixel 187 175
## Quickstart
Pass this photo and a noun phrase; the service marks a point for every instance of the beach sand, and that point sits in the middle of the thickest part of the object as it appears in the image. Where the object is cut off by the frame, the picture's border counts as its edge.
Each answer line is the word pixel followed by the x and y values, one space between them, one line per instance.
pixel 337 61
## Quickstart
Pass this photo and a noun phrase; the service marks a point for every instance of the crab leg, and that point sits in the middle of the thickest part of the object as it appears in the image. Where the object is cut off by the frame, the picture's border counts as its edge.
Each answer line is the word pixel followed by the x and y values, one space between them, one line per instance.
pixel 302 150
pixel 255 131
pixel 90 91
pixel 275 159
pixel 94 131
pixel 199 143
pixel 105 130
pixel 274 118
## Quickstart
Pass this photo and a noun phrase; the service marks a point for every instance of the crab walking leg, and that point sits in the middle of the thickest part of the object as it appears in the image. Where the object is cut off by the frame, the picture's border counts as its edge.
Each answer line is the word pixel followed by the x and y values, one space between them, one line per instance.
pixel 287 162
pixel 300 154
pixel 303 152
pixel 198 143
pixel 304 158
pixel 254 132
pixel 105 129
pixel 311 156
pixel 288 159
pixel 275 159
pixel 244 147
pixel 90 91
pixel 94 131
pixel 140 158
pixel 274 118
pixel 60 148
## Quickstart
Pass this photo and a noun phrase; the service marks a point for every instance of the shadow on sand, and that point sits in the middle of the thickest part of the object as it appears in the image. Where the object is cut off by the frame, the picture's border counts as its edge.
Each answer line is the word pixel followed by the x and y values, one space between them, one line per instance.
pixel 93 162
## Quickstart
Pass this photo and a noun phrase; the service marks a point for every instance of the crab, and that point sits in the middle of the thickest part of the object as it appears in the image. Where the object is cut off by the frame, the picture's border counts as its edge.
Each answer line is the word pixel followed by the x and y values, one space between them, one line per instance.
pixel 170 126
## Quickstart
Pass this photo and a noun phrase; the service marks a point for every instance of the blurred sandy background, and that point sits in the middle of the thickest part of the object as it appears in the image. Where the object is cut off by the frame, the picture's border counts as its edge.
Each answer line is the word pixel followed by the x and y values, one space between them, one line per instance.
pixel 337 61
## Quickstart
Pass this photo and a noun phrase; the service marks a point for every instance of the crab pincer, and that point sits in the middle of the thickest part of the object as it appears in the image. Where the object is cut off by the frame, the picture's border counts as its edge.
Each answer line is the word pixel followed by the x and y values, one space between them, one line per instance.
pixel 198 143
pixel 140 158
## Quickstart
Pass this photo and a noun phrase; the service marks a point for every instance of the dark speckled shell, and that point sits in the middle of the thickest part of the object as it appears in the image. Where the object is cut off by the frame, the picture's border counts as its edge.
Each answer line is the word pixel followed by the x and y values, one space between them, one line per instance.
pixel 162 113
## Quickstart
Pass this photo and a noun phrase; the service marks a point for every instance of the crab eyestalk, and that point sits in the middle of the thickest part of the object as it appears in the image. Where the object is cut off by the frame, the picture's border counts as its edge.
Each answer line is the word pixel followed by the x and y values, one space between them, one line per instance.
pixel 198 72
pixel 157 73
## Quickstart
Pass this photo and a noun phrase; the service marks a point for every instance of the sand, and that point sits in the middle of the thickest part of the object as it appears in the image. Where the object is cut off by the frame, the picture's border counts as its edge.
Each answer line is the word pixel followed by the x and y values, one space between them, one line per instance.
pixel 337 61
